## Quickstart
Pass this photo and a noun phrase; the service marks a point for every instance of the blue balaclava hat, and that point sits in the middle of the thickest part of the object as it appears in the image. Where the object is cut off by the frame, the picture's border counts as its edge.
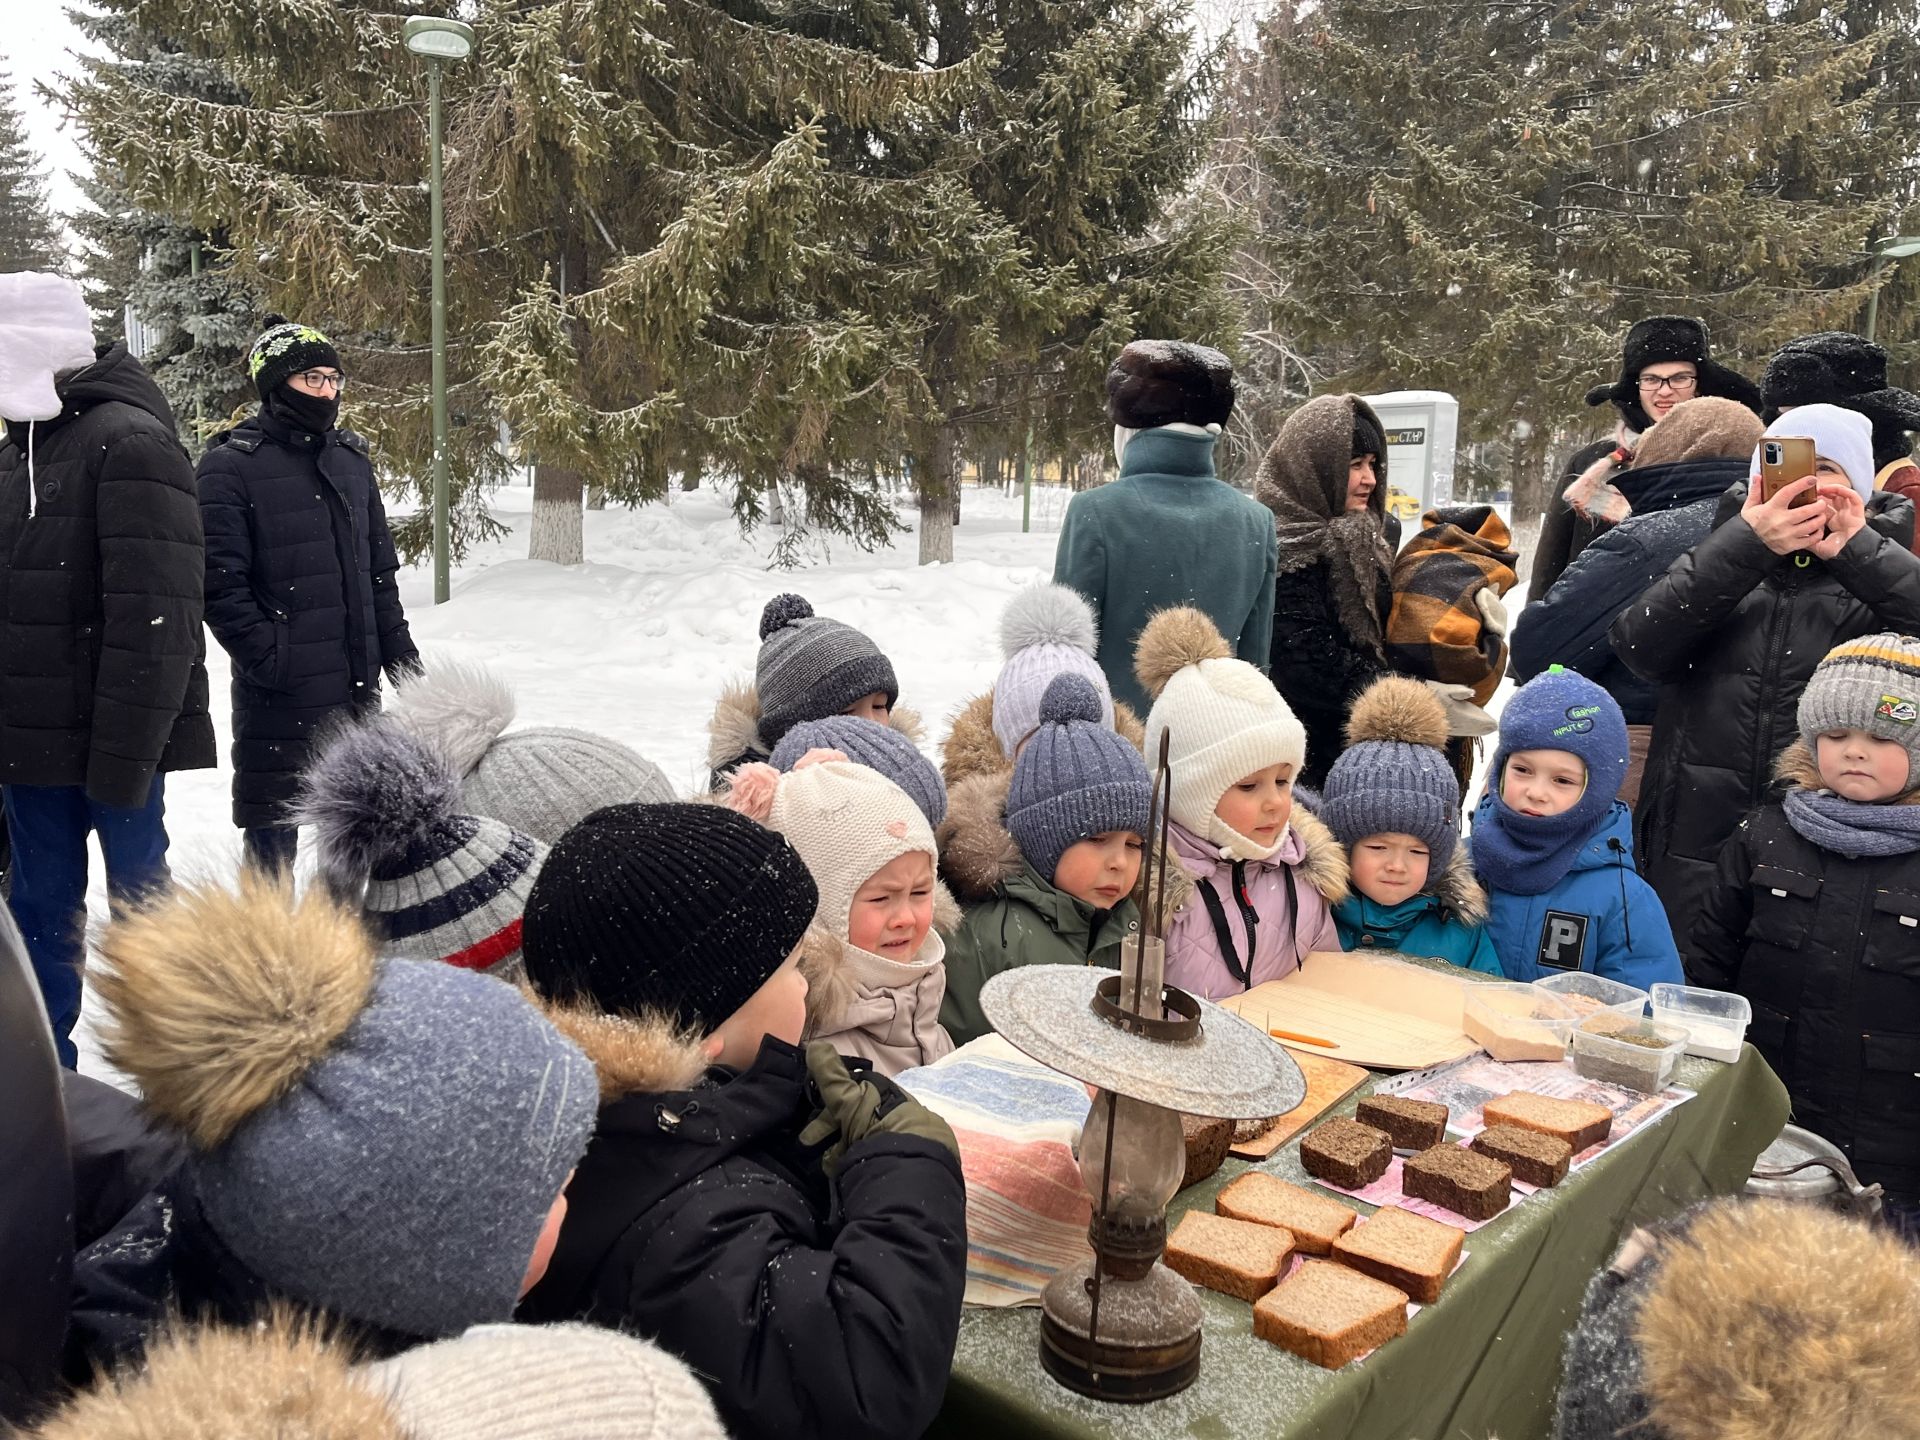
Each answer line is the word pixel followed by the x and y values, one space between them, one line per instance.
pixel 1559 710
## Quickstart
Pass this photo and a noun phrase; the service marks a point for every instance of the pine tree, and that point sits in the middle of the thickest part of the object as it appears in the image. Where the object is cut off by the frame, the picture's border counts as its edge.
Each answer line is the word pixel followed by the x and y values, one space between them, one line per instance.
pixel 1481 198
pixel 29 237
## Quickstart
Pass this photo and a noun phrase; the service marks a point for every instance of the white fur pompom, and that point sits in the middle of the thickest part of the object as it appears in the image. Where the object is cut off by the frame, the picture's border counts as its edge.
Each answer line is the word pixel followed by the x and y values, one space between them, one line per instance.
pixel 461 707
pixel 1048 614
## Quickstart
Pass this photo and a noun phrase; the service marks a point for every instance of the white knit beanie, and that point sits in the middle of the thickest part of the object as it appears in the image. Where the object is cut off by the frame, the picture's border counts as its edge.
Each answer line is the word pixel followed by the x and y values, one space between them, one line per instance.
pixel 1843 436
pixel 846 821
pixel 544 1382
pixel 1226 719
pixel 1046 630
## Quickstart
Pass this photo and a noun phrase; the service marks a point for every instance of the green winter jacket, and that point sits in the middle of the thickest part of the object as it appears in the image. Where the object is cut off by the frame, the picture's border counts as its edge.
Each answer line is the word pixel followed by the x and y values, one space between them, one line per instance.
pixel 1012 915
pixel 1169 532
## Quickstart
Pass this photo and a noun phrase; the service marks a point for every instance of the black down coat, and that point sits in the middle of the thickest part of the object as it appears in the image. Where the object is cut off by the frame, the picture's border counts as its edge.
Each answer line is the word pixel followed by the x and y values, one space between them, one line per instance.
pixel 300 592
pixel 102 680
pixel 808 1306
pixel 1828 951
pixel 1731 634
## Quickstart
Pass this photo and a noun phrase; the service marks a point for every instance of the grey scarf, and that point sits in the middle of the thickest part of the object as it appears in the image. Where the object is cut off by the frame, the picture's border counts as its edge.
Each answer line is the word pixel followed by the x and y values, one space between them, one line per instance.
pixel 1850 828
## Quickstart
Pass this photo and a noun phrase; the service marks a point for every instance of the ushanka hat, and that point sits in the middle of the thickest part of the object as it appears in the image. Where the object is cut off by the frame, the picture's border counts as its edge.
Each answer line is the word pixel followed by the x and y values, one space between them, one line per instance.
pixel 440 884
pixel 1664 339
pixel 811 667
pixel 283 350
pixel 1870 684
pixel 1837 368
pixel 1169 382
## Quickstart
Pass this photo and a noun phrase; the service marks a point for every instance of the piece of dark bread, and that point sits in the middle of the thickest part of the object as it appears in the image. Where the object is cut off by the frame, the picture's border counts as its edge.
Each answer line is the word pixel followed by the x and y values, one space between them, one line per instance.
pixel 1207 1144
pixel 1534 1158
pixel 1346 1153
pixel 1413 1124
pixel 1471 1185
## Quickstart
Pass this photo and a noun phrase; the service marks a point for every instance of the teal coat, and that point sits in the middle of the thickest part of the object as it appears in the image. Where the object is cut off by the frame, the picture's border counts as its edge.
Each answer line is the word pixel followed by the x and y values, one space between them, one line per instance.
pixel 1446 922
pixel 1011 915
pixel 1169 532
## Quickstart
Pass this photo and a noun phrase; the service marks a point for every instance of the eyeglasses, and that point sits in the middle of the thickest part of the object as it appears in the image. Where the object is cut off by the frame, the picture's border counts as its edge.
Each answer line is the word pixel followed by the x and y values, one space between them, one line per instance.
pixel 1678 384
pixel 324 380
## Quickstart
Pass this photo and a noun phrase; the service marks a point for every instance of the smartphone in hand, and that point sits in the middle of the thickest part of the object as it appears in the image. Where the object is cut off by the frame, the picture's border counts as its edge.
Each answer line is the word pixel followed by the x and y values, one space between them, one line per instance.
pixel 1785 459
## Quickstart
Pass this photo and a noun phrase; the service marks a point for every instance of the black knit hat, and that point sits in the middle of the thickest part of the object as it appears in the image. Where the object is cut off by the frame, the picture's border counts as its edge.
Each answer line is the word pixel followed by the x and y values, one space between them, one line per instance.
pixel 1661 340
pixel 680 909
pixel 283 350
pixel 1368 437
pixel 1837 368
pixel 1169 382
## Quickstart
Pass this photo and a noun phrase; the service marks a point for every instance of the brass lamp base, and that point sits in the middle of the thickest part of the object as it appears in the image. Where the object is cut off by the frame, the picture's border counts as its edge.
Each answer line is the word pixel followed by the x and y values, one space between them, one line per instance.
pixel 1149 1345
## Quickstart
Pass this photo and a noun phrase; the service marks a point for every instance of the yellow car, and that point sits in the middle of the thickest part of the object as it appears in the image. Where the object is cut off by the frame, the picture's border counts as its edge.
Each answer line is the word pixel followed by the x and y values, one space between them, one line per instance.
pixel 1401 505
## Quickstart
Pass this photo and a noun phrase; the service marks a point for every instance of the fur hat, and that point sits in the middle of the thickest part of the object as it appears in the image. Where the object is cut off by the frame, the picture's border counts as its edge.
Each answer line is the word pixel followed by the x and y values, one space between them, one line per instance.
pixel 1843 436
pixel 811 667
pixel 440 885
pixel 1076 778
pixel 1394 776
pixel 847 823
pixel 542 779
pixel 283 350
pixel 379 1139
pixel 1169 382
pixel 1226 719
pixel 1870 684
pixel 1046 630
pixel 1664 339
pixel 1749 1320
pixel 45 330
pixel 876 746
pixel 1704 428
pixel 1836 368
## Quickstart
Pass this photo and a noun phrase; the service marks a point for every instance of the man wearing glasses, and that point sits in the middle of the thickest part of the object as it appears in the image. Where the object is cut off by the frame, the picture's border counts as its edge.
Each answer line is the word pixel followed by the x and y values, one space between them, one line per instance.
pixel 1665 359
pixel 300 578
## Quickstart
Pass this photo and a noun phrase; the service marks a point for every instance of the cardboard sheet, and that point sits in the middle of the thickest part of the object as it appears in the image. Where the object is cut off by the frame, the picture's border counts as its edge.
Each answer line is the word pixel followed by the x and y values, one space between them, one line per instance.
pixel 1373 1009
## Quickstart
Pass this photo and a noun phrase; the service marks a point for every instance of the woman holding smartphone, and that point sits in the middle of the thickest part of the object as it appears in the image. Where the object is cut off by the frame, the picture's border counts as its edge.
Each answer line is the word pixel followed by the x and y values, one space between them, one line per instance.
pixel 1793 566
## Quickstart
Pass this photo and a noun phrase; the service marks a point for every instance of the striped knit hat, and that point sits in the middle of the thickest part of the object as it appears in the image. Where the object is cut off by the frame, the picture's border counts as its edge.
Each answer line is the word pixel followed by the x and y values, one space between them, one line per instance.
pixel 811 667
pixel 440 885
pixel 1870 684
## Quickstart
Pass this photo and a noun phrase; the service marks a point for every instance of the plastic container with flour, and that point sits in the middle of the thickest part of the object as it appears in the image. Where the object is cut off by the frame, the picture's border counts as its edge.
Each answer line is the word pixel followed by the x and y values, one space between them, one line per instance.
pixel 1715 1020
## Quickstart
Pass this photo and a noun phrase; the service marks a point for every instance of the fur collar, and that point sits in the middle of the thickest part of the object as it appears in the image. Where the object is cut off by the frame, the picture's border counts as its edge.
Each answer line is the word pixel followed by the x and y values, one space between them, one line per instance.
pixel 1459 889
pixel 825 963
pixel 643 1055
pixel 978 854
pixel 1324 867
pixel 734 729
pixel 973 749
pixel 1798 768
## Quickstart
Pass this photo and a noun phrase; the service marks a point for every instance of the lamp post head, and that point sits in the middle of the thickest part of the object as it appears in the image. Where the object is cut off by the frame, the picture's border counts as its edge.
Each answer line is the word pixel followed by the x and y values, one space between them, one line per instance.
pixel 435 39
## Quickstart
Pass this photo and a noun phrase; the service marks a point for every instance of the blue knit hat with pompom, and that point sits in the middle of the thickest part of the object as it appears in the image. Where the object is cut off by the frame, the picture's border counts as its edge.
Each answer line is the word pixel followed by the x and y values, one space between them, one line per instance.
pixel 876 746
pixel 1076 778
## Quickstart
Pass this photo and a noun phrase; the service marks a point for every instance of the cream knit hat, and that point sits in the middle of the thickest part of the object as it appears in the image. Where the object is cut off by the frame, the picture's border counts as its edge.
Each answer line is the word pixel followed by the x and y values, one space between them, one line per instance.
pixel 846 821
pixel 531 1382
pixel 1226 719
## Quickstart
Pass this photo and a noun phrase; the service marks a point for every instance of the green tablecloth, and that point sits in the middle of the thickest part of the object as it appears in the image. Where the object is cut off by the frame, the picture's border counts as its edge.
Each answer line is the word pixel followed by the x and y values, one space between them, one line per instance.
pixel 1483 1361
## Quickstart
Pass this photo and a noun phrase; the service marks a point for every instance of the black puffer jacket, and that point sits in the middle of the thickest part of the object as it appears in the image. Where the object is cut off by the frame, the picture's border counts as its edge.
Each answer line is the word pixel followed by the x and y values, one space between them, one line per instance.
pixel 1828 951
pixel 808 1307
pixel 101 676
pixel 300 592
pixel 1673 509
pixel 1318 664
pixel 1731 634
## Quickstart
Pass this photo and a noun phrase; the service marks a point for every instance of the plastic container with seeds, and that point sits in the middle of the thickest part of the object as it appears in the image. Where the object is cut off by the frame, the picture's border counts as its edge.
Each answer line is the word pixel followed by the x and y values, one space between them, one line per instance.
pixel 1633 1053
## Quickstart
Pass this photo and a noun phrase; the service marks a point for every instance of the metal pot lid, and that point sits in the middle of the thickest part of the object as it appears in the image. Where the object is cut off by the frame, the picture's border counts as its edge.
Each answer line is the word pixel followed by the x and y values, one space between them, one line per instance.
pixel 1795 1146
pixel 1229 1071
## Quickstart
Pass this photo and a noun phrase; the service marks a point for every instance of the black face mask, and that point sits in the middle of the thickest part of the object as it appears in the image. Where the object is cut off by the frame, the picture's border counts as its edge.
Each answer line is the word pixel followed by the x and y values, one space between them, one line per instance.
pixel 304 412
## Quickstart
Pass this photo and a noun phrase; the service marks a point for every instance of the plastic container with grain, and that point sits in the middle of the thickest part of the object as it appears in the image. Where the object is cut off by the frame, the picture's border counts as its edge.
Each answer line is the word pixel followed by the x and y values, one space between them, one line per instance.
pixel 1589 994
pixel 1634 1054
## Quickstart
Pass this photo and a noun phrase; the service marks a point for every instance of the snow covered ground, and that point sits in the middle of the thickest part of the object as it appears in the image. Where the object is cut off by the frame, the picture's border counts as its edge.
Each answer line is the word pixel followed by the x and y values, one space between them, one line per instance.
pixel 637 642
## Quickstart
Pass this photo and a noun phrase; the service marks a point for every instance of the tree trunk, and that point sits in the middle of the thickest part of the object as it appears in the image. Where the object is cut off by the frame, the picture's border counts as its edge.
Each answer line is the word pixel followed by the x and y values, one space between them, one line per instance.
pixel 557 516
pixel 1089 472
pixel 939 499
pixel 776 505
pixel 596 497
pixel 690 477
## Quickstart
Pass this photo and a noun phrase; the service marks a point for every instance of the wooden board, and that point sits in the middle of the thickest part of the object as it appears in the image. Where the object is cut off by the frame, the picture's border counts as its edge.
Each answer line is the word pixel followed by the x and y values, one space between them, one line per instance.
pixel 1378 1012
pixel 1328 1083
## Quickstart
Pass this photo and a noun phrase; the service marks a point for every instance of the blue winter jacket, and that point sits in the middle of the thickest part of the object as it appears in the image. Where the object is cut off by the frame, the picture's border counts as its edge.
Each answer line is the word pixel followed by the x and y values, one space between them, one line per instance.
pixel 1447 922
pixel 1601 917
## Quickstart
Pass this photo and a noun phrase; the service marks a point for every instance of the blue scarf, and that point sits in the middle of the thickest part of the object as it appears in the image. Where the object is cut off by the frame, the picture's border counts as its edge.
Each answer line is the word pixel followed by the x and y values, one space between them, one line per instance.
pixel 1526 854
pixel 1849 828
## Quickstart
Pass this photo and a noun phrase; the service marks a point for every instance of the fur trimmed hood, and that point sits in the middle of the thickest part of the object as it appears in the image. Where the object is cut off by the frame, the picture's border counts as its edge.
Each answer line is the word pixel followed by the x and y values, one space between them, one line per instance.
pixel 284 1378
pixel 971 748
pixel 978 854
pixel 1324 867
pixel 632 1055
pixel 734 729
pixel 1459 889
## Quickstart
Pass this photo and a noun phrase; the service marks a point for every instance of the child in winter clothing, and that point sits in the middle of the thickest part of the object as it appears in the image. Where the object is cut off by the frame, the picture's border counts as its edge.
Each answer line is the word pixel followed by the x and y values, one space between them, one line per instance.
pixel 810 1271
pixel 1045 859
pixel 874 965
pixel 1814 917
pixel 1555 848
pixel 878 747
pixel 382 1140
pixel 1046 630
pixel 1392 800
pixel 1256 879
pixel 809 668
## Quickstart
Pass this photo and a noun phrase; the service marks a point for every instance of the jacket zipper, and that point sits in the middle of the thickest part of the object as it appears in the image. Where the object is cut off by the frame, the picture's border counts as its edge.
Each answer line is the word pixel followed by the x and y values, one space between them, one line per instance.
pixel 1763 748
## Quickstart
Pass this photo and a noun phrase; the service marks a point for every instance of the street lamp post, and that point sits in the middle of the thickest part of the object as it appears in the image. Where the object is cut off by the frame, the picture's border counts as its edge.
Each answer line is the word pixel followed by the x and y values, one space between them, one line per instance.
pixel 438 41
pixel 1890 253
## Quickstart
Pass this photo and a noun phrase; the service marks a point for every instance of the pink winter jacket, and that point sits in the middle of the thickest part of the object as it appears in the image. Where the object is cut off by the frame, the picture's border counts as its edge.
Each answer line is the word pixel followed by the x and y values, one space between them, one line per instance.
pixel 1319 866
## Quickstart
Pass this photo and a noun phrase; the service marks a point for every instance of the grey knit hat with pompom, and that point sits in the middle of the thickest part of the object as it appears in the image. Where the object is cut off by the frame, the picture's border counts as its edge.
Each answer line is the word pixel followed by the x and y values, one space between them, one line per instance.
pixel 1076 779
pixel 811 667
pixel 876 746
pixel 1046 630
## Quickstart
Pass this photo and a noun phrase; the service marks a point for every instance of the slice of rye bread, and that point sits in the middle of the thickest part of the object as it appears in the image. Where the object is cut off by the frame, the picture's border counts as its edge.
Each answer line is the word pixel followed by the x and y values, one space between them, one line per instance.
pixel 1475 1186
pixel 1346 1153
pixel 1413 1124
pixel 1235 1257
pixel 1207 1144
pixel 1408 1251
pixel 1314 1221
pixel 1534 1158
pixel 1578 1122
pixel 1330 1314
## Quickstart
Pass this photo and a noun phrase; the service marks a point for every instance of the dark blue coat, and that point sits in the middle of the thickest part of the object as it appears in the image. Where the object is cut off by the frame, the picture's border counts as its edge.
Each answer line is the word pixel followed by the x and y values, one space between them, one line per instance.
pixel 1673 507
pixel 300 592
